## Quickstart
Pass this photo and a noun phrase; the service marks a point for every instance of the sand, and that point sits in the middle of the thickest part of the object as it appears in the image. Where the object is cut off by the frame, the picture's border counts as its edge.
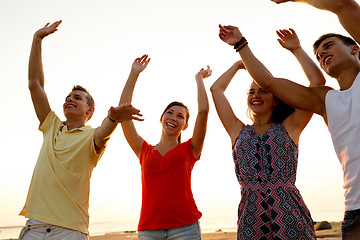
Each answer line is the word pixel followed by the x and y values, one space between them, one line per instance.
pixel 335 232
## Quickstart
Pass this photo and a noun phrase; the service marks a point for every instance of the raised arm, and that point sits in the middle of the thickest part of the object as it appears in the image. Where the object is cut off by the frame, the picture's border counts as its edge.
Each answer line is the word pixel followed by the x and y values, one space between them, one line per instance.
pixel 289 40
pixel 198 137
pixel 36 73
pixel 223 108
pixel 348 12
pixel 133 138
pixel 306 98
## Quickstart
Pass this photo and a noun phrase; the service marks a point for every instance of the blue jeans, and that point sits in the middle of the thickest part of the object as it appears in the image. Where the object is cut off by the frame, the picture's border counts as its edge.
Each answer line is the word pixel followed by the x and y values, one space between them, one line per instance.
pixel 188 232
pixel 350 227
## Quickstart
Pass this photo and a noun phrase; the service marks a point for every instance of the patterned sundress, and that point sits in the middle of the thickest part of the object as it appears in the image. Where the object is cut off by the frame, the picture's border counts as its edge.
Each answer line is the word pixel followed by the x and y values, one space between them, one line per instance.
pixel 271 207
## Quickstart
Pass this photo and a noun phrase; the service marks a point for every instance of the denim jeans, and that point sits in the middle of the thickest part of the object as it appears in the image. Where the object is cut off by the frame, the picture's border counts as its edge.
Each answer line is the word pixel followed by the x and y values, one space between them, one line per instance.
pixel 350 227
pixel 188 232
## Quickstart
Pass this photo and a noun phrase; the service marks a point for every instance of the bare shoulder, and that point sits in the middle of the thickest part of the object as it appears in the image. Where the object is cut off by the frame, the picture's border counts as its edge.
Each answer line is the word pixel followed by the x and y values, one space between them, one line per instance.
pixel 236 131
pixel 321 91
pixel 319 103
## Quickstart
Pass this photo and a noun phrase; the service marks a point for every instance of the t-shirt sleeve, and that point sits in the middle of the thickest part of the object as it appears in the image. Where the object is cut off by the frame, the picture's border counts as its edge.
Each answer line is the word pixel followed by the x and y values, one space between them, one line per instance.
pixel 144 151
pixel 49 121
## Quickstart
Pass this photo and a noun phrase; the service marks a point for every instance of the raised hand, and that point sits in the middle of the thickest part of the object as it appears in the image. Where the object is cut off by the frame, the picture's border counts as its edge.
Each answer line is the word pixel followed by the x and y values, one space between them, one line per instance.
pixel 47 30
pixel 229 34
pixel 124 112
pixel 204 73
pixel 140 63
pixel 288 39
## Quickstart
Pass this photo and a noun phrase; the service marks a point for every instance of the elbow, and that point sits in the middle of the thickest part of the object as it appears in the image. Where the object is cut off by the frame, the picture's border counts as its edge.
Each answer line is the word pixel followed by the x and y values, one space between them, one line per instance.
pixel 265 84
pixel 33 85
pixel 204 110
pixel 214 88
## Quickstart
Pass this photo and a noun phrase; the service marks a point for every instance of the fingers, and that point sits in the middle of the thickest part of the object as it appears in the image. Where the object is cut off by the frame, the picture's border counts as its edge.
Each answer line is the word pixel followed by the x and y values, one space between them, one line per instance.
pixel 204 73
pixel 125 112
pixel 278 32
pixel 292 31
pixel 56 24
pixel 138 119
pixel 281 42
pixel 47 29
pixel 143 60
pixel 209 71
pixel 286 32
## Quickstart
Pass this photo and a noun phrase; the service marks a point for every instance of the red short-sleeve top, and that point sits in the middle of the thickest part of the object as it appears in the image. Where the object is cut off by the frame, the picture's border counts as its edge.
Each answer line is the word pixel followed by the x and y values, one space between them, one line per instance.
pixel 167 199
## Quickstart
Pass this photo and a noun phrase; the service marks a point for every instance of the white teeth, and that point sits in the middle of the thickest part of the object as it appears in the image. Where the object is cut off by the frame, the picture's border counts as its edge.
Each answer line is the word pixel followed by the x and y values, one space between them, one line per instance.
pixel 327 59
pixel 70 105
pixel 171 125
pixel 256 103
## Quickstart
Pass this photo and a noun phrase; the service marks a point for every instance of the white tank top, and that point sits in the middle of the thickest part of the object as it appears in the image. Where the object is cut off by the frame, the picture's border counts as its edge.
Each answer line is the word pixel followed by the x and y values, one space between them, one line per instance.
pixel 343 114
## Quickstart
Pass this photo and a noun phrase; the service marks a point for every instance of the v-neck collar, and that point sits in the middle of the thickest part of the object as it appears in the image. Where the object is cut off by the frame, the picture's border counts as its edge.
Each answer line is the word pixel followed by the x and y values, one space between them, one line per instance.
pixel 166 152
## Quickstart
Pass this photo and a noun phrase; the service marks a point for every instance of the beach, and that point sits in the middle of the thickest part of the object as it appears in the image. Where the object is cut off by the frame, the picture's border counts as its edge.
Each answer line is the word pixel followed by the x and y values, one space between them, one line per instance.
pixel 220 234
pixel 333 234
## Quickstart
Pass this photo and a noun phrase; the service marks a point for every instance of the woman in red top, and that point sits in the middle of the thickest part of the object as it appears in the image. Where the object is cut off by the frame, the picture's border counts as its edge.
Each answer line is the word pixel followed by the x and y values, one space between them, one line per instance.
pixel 168 208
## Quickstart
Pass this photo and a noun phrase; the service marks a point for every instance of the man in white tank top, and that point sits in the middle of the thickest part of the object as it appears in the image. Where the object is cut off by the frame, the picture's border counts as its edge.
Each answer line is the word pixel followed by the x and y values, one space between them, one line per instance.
pixel 338 57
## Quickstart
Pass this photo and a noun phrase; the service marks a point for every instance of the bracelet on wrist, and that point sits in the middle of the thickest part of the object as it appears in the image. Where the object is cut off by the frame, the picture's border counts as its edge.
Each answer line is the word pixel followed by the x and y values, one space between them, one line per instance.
pixel 113 120
pixel 240 42
pixel 242 46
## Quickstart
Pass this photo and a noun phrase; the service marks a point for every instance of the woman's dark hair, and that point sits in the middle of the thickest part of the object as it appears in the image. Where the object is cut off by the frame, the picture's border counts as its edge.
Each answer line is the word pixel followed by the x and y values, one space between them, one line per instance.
pixel 281 111
pixel 181 105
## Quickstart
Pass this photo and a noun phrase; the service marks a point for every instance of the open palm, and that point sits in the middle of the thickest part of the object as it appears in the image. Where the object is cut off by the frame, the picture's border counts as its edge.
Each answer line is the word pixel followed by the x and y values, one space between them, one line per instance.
pixel 47 30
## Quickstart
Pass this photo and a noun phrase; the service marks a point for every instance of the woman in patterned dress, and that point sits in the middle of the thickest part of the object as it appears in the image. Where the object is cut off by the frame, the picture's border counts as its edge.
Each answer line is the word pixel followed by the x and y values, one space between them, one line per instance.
pixel 265 154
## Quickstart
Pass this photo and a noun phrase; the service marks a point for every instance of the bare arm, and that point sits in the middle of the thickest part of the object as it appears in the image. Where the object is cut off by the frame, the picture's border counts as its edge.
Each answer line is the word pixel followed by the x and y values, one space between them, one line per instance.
pixel 289 40
pixel 36 73
pixel 223 108
pixel 123 112
pixel 198 137
pixel 305 98
pixel 133 138
pixel 348 12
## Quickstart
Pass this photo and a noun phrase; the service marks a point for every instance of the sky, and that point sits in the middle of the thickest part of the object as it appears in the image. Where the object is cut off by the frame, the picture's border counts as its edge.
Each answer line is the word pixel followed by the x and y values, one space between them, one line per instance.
pixel 95 46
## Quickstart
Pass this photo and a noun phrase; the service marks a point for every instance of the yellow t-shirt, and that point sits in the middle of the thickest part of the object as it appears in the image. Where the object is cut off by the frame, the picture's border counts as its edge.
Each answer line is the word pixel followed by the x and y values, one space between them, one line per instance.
pixel 60 185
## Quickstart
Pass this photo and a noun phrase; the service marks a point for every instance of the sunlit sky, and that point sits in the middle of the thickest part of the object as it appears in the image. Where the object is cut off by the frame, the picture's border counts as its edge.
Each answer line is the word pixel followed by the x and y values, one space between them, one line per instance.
pixel 95 47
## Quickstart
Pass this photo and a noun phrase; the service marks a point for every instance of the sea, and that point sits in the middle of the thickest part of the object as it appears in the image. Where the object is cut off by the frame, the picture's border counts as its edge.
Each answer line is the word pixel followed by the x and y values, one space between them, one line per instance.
pixel 207 226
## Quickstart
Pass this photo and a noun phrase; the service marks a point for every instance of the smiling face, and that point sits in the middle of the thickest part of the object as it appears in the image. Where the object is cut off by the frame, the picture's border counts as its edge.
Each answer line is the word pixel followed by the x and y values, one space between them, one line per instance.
pixel 76 105
pixel 174 120
pixel 260 101
pixel 334 55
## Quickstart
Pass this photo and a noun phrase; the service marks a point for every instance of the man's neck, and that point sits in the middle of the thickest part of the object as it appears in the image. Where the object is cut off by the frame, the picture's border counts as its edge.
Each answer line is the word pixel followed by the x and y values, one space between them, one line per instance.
pixel 72 124
pixel 347 78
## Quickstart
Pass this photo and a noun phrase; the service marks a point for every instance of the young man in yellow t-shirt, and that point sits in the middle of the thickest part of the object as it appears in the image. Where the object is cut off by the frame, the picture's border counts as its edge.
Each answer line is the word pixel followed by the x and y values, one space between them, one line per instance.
pixel 58 198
